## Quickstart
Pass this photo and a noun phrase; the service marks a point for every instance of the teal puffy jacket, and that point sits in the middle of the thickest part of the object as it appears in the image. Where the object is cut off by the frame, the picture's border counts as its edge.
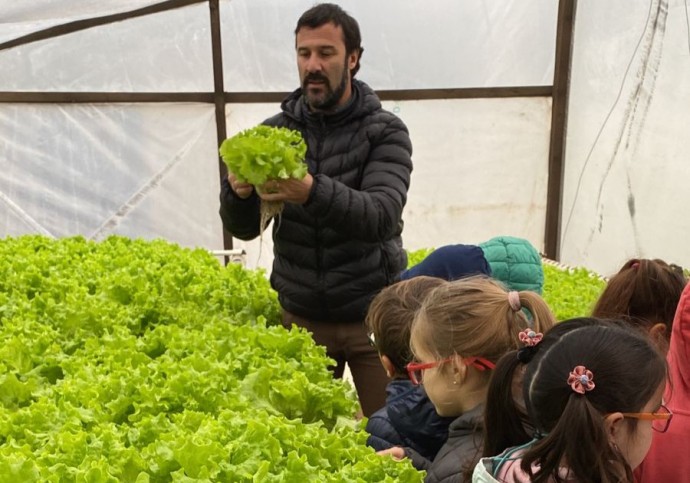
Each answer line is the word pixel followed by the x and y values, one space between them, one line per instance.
pixel 515 262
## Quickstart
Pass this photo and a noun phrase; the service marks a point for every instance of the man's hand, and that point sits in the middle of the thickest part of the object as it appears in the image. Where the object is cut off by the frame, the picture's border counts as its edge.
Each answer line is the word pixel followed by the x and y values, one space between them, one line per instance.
pixel 242 190
pixel 291 190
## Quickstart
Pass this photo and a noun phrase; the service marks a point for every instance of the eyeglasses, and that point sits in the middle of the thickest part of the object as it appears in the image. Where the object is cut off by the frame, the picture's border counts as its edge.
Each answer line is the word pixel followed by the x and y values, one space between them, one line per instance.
pixel 660 420
pixel 372 339
pixel 415 369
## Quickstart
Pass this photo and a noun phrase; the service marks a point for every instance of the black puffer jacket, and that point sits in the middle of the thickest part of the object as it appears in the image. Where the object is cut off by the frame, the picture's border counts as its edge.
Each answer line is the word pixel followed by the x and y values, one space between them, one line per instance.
pixel 335 252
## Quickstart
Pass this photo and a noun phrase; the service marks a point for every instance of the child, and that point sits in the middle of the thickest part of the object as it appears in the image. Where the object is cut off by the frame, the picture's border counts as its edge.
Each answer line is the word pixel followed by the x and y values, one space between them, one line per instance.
pixel 667 459
pixel 409 418
pixel 461 330
pixel 645 293
pixel 506 423
pixel 511 260
pixel 594 394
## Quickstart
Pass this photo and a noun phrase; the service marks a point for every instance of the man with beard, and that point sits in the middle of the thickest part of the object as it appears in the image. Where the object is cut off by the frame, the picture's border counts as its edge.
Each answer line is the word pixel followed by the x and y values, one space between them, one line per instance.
pixel 338 242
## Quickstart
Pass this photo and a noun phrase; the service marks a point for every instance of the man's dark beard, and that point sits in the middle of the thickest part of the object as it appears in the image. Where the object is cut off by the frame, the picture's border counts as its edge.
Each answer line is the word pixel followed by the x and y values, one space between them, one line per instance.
pixel 332 97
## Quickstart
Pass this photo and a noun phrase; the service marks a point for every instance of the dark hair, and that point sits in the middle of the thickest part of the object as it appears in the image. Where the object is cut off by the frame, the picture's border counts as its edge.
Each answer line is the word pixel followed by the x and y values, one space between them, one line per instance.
pixel 391 314
pixel 627 370
pixel 324 13
pixel 507 425
pixel 643 292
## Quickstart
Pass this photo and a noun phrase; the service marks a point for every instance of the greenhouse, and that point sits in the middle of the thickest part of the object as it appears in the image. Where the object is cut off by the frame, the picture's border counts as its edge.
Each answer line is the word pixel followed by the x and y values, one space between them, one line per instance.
pixel 141 339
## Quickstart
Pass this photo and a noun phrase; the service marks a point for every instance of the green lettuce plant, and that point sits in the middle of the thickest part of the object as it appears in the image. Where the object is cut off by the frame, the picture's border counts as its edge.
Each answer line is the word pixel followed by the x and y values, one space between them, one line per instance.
pixel 129 360
pixel 265 153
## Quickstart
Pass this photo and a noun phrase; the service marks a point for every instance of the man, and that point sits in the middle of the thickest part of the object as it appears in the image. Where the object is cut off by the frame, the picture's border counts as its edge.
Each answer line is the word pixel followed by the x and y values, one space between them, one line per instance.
pixel 338 240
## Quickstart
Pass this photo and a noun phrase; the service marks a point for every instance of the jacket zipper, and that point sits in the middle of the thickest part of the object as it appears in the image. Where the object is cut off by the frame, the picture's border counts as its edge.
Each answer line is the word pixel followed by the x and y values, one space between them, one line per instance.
pixel 321 282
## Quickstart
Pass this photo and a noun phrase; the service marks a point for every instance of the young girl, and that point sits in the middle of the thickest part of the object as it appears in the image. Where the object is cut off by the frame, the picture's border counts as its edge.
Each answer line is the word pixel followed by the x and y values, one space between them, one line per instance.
pixel 644 293
pixel 593 391
pixel 461 330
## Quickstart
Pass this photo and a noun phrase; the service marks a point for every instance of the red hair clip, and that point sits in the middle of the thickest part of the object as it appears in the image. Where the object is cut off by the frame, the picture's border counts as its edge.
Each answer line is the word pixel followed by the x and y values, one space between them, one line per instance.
pixel 530 338
pixel 581 379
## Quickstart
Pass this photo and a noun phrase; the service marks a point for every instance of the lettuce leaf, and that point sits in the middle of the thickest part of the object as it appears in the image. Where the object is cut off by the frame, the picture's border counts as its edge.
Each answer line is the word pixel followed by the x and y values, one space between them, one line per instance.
pixel 263 153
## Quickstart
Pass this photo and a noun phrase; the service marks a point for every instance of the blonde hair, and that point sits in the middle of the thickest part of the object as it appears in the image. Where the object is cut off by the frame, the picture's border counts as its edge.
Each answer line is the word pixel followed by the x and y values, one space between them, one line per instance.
pixel 472 317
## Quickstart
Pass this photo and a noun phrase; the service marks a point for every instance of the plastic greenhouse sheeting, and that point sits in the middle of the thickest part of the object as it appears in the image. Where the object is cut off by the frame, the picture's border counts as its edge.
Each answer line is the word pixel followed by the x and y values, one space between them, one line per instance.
pixel 136 170
pixel 481 165
pixel 164 52
pixel 626 167
pixel 407 44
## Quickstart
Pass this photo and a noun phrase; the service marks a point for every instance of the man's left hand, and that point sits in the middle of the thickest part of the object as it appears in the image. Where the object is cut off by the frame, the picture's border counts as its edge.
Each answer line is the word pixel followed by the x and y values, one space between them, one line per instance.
pixel 290 190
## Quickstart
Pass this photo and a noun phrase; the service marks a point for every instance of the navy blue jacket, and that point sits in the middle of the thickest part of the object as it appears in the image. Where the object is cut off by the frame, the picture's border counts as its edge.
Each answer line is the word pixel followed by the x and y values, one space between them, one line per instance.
pixel 409 420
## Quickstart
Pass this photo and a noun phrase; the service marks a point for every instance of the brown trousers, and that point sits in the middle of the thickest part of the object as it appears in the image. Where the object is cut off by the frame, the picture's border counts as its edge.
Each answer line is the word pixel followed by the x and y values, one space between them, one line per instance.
pixel 348 342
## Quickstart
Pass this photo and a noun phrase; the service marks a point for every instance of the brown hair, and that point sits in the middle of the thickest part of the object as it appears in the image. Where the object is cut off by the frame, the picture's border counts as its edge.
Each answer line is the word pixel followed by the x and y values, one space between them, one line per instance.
pixel 472 317
pixel 391 314
pixel 628 371
pixel 324 13
pixel 644 292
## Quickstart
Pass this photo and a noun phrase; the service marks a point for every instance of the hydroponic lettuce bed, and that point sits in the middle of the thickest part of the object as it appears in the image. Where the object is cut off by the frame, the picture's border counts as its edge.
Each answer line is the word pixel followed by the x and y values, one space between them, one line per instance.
pixel 137 361
pixel 144 362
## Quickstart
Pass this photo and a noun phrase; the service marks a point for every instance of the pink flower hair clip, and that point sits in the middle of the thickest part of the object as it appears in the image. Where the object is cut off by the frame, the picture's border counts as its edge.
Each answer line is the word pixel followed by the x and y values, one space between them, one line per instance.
pixel 581 379
pixel 530 338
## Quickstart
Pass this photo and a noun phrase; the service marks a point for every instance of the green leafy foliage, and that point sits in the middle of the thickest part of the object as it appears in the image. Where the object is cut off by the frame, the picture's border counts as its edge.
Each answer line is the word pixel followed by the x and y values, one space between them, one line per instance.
pixel 137 361
pixel 416 256
pixel 571 292
pixel 263 153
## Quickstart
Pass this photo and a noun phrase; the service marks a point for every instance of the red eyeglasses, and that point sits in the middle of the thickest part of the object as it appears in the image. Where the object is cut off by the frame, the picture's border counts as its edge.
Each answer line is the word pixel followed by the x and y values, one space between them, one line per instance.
pixel 415 369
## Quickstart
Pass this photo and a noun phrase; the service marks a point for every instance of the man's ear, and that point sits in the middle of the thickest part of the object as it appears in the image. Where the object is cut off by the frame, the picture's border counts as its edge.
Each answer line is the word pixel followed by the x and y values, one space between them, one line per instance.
pixel 388 366
pixel 352 59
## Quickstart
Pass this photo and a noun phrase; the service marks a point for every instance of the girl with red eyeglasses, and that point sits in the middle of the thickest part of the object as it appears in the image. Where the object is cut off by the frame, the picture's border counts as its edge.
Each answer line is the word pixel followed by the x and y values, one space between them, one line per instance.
pixel 462 328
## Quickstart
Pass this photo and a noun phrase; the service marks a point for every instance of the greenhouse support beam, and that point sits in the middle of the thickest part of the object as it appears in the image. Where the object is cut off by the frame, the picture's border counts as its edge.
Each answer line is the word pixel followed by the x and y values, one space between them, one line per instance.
pixel 87 23
pixel 219 98
pixel 559 119
pixel 103 97
pixel 265 97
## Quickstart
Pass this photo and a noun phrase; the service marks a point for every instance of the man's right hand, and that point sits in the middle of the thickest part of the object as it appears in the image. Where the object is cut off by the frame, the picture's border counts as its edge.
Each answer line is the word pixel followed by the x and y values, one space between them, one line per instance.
pixel 242 190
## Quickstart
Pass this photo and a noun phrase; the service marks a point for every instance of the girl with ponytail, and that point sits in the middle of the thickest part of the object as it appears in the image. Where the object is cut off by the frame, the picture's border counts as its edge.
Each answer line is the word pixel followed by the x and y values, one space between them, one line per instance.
pixel 593 392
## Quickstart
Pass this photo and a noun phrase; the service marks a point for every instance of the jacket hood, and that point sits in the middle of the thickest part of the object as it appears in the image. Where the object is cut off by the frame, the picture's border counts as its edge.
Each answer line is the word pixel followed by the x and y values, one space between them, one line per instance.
pixel 451 262
pixel 678 356
pixel 515 262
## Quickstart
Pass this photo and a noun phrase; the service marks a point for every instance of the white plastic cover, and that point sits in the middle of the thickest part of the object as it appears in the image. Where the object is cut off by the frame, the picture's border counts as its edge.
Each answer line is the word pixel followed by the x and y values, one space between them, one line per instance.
pixel 627 172
pixel 407 44
pixel 480 164
pixel 146 171
pixel 163 52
